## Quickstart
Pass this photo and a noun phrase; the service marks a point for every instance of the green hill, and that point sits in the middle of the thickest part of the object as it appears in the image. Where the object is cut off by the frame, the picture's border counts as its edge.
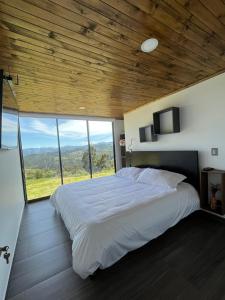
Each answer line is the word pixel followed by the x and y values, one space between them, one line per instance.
pixel 43 172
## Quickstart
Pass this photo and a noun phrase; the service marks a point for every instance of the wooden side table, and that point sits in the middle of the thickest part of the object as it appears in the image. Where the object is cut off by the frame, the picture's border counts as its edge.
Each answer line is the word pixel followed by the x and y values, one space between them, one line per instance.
pixel 213 191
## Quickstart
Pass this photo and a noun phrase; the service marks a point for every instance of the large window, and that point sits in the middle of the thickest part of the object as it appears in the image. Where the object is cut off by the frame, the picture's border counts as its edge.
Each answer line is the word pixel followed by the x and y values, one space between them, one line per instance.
pixel 74 150
pixel 57 151
pixel 41 156
pixel 101 144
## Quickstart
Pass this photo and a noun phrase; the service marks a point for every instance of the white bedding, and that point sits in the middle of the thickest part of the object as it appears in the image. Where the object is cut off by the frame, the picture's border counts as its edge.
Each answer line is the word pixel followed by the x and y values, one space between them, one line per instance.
pixel 110 216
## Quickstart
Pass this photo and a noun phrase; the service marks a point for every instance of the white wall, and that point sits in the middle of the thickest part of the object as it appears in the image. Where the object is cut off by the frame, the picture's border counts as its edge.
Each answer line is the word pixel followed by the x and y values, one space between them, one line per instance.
pixel 118 129
pixel 202 114
pixel 11 208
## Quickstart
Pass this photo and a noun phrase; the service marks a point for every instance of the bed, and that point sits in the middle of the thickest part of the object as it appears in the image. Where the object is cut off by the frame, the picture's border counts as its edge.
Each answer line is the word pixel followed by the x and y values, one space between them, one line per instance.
pixel 108 217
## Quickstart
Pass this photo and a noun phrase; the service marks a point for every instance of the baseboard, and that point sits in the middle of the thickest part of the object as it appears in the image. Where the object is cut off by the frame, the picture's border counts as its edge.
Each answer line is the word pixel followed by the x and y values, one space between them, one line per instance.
pixel 213 215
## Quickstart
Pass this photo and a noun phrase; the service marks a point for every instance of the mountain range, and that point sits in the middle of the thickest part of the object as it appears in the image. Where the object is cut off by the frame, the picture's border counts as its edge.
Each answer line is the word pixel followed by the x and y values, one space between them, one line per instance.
pixel 99 147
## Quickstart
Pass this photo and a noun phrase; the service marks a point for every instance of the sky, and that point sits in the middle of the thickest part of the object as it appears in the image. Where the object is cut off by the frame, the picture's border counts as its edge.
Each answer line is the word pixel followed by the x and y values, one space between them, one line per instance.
pixel 42 132
pixel 9 129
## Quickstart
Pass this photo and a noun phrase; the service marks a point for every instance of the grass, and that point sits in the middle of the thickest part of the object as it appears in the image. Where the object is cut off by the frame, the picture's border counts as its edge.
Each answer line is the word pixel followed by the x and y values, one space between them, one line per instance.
pixel 37 188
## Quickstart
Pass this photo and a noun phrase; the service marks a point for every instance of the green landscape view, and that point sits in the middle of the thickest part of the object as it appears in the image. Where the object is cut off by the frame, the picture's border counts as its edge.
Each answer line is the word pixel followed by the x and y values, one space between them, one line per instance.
pixel 42 166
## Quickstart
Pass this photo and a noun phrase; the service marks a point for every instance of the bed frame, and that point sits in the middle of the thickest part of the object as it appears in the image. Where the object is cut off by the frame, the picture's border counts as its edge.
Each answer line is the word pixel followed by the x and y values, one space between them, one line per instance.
pixel 184 162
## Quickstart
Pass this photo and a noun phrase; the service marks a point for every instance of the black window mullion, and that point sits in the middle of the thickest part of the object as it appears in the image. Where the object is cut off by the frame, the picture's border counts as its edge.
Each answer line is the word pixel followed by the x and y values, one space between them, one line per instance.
pixel 114 148
pixel 89 149
pixel 59 151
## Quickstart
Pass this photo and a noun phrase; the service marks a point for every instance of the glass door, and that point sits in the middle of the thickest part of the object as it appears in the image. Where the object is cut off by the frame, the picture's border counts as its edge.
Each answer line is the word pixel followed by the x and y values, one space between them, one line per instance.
pixel 57 151
pixel 73 140
pixel 102 148
pixel 41 156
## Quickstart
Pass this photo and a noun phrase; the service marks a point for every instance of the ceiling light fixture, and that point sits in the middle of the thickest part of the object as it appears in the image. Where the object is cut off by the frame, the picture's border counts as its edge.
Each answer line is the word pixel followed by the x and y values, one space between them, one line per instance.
pixel 149 45
pixel 82 107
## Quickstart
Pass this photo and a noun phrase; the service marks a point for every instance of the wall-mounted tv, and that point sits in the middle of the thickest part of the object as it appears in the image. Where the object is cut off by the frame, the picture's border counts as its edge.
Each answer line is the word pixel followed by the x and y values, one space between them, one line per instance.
pixel 9 116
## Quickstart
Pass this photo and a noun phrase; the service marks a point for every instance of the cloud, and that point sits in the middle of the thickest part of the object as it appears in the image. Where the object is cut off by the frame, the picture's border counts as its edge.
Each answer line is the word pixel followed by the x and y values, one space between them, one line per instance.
pixel 9 123
pixel 100 127
pixel 72 128
pixel 38 126
pixel 79 127
pixel 67 128
pixel 42 132
pixel 41 127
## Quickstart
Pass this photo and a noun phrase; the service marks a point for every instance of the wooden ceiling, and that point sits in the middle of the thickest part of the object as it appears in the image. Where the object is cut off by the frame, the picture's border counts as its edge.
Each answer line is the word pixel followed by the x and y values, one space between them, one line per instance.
pixel 71 53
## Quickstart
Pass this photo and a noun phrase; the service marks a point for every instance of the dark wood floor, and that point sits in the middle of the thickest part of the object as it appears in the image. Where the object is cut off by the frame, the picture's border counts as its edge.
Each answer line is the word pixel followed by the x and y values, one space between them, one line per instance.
pixel 187 262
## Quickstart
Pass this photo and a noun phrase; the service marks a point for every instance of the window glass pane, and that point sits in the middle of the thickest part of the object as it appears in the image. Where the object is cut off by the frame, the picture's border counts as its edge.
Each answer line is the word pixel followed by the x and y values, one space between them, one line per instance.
pixel 9 130
pixel 41 156
pixel 74 150
pixel 101 141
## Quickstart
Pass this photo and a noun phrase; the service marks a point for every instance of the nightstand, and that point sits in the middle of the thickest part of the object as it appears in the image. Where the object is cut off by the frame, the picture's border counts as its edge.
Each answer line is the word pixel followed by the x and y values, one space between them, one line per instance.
pixel 213 191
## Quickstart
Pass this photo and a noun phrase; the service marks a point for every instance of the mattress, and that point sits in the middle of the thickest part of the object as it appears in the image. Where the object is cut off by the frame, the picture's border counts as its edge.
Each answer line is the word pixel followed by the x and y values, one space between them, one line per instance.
pixel 108 217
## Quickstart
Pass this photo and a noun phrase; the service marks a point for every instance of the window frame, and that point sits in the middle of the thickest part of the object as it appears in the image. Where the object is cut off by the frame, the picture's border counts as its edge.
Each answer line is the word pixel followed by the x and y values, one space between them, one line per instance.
pixel 57 118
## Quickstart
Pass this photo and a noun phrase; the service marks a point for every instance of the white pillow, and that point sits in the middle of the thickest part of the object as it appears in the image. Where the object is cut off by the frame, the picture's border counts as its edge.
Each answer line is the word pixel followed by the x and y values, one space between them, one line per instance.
pixel 130 172
pixel 160 178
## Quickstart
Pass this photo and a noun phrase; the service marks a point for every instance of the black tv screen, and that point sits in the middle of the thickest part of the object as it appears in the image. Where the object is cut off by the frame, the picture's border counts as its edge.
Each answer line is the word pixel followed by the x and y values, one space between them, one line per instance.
pixel 9 116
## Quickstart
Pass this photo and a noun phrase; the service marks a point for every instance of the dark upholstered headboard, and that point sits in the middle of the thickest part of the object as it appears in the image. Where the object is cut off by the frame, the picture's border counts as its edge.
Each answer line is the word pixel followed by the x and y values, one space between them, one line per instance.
pixel 183 162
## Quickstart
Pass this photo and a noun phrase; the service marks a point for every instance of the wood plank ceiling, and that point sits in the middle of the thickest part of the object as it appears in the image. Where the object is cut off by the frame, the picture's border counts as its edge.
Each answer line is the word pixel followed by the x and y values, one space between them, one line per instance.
pixel 71 53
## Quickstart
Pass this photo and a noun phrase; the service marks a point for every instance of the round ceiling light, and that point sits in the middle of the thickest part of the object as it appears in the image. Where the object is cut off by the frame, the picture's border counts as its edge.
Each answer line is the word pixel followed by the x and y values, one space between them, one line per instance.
pixel 149 45
pixel 82 107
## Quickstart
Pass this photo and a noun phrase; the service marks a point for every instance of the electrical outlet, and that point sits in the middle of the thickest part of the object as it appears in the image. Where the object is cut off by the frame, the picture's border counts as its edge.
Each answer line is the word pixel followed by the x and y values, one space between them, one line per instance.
pixel 214 151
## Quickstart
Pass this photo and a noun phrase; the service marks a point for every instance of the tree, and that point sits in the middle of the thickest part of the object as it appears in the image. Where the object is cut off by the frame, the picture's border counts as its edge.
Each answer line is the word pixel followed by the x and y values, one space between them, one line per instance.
pixel 93 157
pixel 85 161
pixel 38 174
pixel 98 162
pixel 102 162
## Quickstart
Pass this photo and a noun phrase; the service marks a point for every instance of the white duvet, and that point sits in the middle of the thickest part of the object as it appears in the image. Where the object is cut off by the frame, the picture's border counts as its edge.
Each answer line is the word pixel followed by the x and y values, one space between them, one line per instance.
pixel 110 216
